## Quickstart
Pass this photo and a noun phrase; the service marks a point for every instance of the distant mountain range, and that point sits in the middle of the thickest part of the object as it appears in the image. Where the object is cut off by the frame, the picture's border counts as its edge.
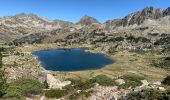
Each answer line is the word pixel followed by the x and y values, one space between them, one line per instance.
pixel 21 26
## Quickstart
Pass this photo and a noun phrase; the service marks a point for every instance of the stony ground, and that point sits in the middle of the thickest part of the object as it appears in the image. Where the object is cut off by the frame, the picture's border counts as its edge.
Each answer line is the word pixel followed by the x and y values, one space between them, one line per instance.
pixel 20 63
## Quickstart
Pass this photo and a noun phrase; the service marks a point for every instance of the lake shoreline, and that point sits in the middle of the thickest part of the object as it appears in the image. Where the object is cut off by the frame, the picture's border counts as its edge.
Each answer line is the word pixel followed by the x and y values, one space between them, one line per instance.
pixel 82 52
pixel 120 67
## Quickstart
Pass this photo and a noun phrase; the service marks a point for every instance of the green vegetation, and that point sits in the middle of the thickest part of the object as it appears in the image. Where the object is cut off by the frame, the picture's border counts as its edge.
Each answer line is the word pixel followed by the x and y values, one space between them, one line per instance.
pixel 55 93
pixel 0 60
pixel 1 50
pixel 161 64
pixel 84 86
pixel 166 81
pixel 81 94
pixel 71 90
pixel 46 84
pixel 103 80
pixel 100 79
pixel 3 84
pixel 138 39
pixel 81 85
pixel 22 87
pixel 131 81
pixel 163 41
pixel 149 94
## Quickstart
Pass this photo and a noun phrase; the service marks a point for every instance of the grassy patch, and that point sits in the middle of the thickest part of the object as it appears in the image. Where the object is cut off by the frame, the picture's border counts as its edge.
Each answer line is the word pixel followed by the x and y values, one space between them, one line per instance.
pixel 22 87
pixel 81 94
pixel 149 94
pixel 103 80
pixel 131 81
pixel 0 60
pixel 3 84
pixel 55 93
pixel 81 85
pixel 161 63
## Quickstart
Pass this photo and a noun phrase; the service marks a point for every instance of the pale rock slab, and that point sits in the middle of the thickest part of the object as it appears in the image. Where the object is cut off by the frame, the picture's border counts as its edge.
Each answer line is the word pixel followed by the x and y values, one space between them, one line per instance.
pixel 54 83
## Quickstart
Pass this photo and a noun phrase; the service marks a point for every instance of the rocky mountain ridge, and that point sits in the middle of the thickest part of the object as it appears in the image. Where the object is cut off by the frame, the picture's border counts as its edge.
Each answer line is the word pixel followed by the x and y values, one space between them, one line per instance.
pixel 139 17
pixel 14 27
pixel 30 28
pixel 32 21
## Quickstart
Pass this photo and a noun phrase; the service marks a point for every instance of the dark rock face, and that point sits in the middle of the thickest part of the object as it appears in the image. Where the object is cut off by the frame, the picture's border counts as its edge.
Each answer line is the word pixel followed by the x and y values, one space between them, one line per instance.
pixel 140 16
pixel 87 20
pixel 167 11
pixel 31 39
pixel 110 24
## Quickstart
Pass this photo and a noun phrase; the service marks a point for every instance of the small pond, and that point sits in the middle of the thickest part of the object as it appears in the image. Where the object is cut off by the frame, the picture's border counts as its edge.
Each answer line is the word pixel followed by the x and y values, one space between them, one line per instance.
pixel 75 59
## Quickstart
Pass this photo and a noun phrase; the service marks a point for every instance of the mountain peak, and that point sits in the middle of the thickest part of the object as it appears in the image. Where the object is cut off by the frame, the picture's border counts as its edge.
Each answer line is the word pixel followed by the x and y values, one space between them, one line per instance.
pixel 140 16
pixel 25 14
pixel 148 8
pixel 88 20
pixel 86 16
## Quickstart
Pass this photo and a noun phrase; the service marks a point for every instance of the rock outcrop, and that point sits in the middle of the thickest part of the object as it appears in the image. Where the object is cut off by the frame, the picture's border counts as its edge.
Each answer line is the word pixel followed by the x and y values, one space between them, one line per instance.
pixel 139 17
pixel 166 12
pixel 54 83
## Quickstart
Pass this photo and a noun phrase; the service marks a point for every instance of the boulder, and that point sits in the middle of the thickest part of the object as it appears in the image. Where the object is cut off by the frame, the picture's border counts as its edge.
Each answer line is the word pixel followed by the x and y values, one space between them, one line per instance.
pixel 144 82
pixel 54 83
pixel 162 88
pixel 120 81
pixel 157 83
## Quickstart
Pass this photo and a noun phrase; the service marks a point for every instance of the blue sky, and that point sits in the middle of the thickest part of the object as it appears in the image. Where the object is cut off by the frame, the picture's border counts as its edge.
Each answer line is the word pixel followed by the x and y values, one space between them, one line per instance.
pixel 73 10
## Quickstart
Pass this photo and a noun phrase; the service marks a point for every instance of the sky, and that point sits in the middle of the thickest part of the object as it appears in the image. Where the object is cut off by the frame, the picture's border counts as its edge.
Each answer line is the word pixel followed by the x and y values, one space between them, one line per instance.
pixel 73 10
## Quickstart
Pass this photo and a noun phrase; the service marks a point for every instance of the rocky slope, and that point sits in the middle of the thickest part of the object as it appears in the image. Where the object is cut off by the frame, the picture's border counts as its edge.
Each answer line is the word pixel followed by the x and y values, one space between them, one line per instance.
pixel 146 29
pixel 139 17
pixel 32 21
pixel 13 27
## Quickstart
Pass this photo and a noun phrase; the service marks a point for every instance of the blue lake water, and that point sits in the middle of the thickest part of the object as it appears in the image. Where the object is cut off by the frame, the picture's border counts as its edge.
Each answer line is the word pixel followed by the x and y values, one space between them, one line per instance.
pixel 75 59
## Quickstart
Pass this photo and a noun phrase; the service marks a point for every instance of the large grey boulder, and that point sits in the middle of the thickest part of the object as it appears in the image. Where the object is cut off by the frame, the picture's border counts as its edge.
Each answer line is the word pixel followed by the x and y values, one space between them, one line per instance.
pixel 54 83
